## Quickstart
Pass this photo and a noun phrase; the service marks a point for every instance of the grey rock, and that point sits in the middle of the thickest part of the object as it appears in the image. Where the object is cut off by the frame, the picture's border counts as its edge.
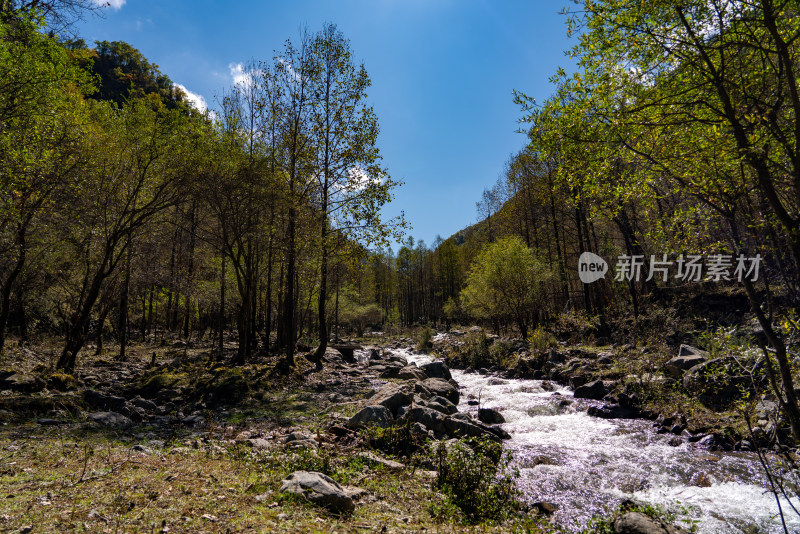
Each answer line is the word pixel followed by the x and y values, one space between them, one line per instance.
pixel 680 364
pixel 611 411
pixel 145 404
pixel 638 523
pixel 95 399
pixel 429 418
pixel 319 489
pixel 392 397
pixel 442 388
pixel 437 370
pixel 411 372
pixel 22 383
pixel 299 440
pixel 371 415
pixel 111 419
pixel 593 390
pixel 490 416
pixel 440 404
pixel 378 460
pixel 458 427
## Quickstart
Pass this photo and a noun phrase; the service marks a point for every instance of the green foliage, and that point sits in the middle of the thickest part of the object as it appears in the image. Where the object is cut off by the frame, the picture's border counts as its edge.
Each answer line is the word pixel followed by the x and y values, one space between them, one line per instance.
pixel 424 338
pixel 395 440
pixel 506 282
pixel 476 477
pixel 541 341
pixel 476 350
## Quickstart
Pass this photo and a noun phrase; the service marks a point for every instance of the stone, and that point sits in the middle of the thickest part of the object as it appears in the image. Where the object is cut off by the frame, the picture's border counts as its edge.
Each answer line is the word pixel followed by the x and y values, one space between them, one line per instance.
pixel 22 383
pixel 639 523
pixel 460 427
pixel 371 416
pixel 611 411
pixel 593 390
pixel 145 404
pixel 299 440
pixel 680 364
pixel 319 489
pixel 429 418
pixel 111 419
pixel 440 404
pixel 437 370
pixel 392 397
pixel 719 381
pixel 443 388
pixel 378 460
pixel 544 507
pixel 490 416
pixel 49 422
pixel 422 391
pixel 411 372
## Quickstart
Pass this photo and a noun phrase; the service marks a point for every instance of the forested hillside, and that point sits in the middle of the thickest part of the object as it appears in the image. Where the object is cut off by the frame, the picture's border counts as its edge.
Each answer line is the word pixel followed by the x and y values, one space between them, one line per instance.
pixel 127 211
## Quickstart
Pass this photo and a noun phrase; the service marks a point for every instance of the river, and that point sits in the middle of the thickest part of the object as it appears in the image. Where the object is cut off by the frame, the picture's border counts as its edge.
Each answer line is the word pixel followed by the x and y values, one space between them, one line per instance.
pixel 588 465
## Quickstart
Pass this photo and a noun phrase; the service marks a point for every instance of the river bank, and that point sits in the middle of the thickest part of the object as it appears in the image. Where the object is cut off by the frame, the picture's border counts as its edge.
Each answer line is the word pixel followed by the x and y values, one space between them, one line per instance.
pixel 182 442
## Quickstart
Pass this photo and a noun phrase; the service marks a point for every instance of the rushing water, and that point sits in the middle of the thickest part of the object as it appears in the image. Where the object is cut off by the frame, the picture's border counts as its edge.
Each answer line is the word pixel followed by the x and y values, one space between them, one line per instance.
pixel 588 465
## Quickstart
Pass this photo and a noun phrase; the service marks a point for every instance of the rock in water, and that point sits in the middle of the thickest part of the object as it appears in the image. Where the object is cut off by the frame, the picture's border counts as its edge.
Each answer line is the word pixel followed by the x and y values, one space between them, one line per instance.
pixel 319 489
pixel 593 390
pixel 437 370
pixel 490 416
pixel 638 523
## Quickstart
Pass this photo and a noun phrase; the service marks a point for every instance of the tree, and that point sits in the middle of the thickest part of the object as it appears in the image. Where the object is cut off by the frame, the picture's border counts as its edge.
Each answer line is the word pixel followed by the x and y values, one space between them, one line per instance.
pixel 132 177
pixel 352 187
pixel 718 81
pixel 41 111
pixel 507 280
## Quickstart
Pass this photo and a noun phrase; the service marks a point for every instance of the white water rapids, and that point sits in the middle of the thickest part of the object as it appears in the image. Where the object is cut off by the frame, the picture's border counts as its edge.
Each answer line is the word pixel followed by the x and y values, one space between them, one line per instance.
pixel 588 465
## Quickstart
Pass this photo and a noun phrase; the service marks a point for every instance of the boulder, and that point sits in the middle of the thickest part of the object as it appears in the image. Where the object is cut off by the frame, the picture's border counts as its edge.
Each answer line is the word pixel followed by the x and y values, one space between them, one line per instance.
pixel 680 364
pixel 719 381
pixel 111 419
pixel 299 440
pixel 612 411
pixel 593 390
pixel 440 404
pixel 459 427
pixel 429 418
pixel 392 397
pixel 411 372
pixel 437 370
pixel 490 416
pixel 638 523
pixel 371 415
pixel 21 383
pixel 95 399
pixel 442 388
pixel 378 460
pixel 320 490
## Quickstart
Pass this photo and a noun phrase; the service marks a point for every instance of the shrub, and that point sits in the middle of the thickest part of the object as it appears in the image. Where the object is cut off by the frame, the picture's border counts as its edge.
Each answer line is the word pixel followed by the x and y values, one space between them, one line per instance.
pixel 540 341
pixel 425 338
pixel 476 477
pixel 476 350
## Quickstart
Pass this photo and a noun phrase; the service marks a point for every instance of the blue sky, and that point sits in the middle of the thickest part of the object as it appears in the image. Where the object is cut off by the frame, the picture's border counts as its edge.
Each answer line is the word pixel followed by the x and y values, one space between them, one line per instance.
pixel 442 76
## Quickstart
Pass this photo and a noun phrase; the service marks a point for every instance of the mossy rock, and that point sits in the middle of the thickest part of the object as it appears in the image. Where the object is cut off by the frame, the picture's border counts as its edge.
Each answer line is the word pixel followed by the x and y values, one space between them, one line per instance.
pixel 61 381
pixel 225 387
pixel 151 385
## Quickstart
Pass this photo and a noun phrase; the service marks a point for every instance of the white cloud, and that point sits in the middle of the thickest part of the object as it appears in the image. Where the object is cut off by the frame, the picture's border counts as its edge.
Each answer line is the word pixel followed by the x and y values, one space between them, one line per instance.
pixel 240 76
pixel 195 99
pixel 113 4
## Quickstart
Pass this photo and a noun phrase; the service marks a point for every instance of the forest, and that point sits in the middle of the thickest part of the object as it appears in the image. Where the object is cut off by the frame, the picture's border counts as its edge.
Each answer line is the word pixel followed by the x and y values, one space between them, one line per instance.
pixel 224 277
